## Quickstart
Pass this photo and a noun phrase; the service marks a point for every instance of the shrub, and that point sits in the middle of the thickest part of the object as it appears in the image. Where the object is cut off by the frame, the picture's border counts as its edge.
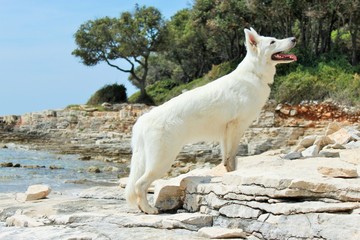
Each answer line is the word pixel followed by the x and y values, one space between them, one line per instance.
pixel 334 79
pixel 109 93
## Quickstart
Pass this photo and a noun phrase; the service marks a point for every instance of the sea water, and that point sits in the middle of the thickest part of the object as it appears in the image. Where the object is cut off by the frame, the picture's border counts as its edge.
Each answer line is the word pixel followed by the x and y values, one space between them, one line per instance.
pixel 71 172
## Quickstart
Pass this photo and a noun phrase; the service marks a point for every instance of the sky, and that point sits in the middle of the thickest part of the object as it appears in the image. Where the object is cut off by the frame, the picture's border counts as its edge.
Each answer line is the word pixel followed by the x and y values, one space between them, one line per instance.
pixel 37 70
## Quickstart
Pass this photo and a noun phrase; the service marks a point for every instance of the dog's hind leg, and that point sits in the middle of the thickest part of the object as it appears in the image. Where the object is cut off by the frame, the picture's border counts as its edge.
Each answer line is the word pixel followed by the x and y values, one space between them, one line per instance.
pixel 159 159
pixel 141 188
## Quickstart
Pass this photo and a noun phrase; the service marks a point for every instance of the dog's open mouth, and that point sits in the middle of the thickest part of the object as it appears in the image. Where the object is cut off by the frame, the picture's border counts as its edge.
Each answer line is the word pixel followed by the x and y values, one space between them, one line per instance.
pixel 279 56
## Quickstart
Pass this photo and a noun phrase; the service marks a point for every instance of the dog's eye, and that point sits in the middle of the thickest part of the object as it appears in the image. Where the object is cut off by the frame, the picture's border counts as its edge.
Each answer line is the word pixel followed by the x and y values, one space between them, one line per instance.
pixel 272 42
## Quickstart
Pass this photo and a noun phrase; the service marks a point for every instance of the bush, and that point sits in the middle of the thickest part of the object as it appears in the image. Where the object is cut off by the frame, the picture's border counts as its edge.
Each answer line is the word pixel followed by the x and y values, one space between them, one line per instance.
pixel 109 93
pixel 334 79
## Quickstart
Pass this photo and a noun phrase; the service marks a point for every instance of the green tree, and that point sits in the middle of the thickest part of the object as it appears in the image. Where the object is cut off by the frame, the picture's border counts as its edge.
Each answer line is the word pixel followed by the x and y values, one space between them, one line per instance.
pixel 224 21
pixel 187 46
pixel 132 37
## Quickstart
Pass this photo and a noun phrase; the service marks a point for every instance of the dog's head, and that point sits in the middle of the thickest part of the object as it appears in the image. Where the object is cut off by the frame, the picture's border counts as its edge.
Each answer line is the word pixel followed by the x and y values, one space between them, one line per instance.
pixel 269 48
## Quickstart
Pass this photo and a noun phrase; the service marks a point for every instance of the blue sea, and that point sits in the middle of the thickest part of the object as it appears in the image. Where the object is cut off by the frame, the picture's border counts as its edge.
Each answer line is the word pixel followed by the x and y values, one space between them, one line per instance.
pixel 71 173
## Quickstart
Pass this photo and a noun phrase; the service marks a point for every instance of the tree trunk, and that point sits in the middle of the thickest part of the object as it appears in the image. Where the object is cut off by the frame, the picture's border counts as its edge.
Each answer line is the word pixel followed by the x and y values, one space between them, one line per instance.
pixel 354 59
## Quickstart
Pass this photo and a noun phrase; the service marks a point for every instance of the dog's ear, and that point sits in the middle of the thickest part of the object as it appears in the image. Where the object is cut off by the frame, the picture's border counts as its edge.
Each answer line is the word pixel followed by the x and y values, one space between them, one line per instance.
pixel 253 30
pixel 252 38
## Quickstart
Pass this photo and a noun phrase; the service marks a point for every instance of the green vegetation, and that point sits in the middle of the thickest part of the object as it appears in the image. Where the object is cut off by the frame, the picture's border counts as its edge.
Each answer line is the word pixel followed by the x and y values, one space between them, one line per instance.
pixel 132 37
pixel 205 41
pixel 109 93
pixel 164 90
pixel 337 80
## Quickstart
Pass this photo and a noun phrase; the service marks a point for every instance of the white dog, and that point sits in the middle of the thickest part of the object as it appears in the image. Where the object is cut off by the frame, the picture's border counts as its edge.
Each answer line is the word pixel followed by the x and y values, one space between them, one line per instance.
pixel 219 111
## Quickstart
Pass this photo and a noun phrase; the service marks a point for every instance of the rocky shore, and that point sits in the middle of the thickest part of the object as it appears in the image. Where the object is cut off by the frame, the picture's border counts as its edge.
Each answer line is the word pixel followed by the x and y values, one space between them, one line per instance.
pixel 105 135
pixel 296 178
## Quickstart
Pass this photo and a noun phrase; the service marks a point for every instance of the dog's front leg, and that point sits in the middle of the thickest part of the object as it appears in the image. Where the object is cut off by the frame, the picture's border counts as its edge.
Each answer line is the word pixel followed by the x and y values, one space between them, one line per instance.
pixel 230 143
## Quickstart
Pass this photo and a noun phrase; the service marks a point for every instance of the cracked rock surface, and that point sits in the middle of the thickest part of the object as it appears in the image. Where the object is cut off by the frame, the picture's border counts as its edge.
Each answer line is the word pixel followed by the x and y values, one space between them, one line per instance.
pixel 92 215
pixel 280 199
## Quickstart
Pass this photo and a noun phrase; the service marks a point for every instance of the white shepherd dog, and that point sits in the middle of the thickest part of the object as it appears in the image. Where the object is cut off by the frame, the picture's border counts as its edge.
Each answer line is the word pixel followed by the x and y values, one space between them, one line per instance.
pixel 219 111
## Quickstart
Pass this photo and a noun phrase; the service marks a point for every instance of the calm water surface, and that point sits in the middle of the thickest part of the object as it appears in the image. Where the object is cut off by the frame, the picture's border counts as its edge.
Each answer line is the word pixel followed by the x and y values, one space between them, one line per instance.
pixel 73 175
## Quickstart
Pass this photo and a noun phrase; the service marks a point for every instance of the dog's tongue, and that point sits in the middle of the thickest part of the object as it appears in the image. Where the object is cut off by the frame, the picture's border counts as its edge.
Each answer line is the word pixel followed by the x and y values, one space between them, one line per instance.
pixel 282 56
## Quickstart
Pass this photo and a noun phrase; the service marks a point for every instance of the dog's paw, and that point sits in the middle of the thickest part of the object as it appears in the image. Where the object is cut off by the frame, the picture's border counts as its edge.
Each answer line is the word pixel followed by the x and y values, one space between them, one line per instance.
pixel 230 164
pixel 150 210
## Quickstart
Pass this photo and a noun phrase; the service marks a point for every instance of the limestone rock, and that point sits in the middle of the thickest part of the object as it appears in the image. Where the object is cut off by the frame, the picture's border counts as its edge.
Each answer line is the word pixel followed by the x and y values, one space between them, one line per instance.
pixel 94 169
pixel 332 128
pixel 221 233
pixel 329 153
pixel 123 182
pixel 274 178
pixel 103 193
pixel 239 211
pixel 36 192
pixel 322 141
pixel 293 155
pixel 168 194
pixel 352 145
pixel 338 172
pixel 311 151
pixel 351 156
pixel 307 141
pixel 22 221
pixel 6 164
pixel 191 221
pixel 341 136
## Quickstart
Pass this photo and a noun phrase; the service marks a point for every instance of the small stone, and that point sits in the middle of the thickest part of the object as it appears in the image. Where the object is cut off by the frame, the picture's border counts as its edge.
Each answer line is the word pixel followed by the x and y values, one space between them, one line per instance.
pixel 354 133
pixel 322 141
pixel 285 111
pixel 307 141
pixel 16 165
pixel 110 169
pixel 85 158
pixel 332 128
pixel 36 192
pixel 123 182
pixel 94 169
pixel 6 164
pixel 221 233
pixel 336 146
pixel 312 151
pixel 338 172
pixel 341 136
pixel 293 112
pixel 54 167
pixel 328 153
pixel 278 107
pixel 352 145
pixel 293 155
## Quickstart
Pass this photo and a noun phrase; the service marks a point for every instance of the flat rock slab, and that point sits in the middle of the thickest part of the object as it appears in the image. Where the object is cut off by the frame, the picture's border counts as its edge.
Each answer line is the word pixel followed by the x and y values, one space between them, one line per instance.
pixel 221 233
pixel 280 178
pixel 95 213
pixel 281 199
pixel 339 172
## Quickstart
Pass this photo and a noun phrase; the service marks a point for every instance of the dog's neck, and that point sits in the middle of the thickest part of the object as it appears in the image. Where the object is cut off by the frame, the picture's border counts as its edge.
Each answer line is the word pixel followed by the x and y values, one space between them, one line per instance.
pixel 262 69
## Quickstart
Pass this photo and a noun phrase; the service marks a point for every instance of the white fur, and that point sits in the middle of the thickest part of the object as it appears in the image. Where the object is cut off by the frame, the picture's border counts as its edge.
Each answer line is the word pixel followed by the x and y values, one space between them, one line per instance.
pixel 219 111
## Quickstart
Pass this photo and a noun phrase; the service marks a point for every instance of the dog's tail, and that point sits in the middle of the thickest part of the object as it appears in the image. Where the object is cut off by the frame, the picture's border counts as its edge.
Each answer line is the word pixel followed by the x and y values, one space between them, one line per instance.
pixel 137 168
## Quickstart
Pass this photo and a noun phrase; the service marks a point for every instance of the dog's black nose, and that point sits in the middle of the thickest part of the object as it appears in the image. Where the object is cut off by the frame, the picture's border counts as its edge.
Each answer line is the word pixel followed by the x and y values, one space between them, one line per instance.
pixel 293 40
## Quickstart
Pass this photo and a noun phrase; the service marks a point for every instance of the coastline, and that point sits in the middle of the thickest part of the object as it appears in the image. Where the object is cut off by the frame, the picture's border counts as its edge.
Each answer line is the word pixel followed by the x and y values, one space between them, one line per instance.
pixel 272 195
